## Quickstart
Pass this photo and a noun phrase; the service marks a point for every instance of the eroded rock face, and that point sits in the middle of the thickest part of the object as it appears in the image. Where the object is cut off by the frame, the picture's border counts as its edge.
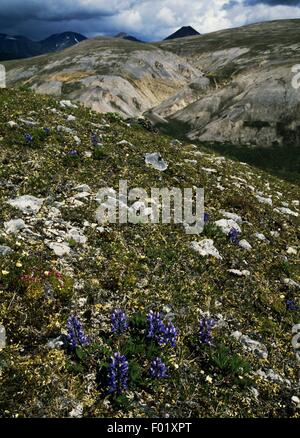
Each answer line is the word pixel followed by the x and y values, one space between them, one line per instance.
pixel 250 99
pixel 230 86
pixel 109 75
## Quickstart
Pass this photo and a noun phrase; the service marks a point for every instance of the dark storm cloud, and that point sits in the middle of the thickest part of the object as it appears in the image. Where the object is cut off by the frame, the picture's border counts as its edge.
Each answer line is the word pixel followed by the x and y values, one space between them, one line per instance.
pixel 146 19
pixel 38 18
pixel 272 2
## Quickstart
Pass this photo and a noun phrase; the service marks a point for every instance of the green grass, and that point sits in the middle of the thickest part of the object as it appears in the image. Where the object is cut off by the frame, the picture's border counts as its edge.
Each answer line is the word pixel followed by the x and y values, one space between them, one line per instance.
pixel 138 268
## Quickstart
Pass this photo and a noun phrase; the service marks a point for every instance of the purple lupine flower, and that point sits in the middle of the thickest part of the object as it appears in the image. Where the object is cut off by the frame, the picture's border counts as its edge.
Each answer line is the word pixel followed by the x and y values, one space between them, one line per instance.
pixel 76 336
pixel 234 235
pixel 47 131
pixel 119 321
pixel 28 138
pixel 170 334
pixel 73 153
pixel 158 369
pixel 206 326
pixel 118 374
pixel 206 218
pixel 94 139
pixel 156 327
pixel 290 304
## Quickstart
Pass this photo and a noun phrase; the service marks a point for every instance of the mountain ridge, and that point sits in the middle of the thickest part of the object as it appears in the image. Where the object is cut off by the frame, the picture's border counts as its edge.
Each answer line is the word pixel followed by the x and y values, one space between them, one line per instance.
pixel 18 47
pixel 183 32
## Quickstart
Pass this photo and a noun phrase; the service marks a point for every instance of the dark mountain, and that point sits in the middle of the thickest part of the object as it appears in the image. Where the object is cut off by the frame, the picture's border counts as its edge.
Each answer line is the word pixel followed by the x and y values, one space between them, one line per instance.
pixel 185 31
pixel 125 36
pixel 16 47
pixel 61 41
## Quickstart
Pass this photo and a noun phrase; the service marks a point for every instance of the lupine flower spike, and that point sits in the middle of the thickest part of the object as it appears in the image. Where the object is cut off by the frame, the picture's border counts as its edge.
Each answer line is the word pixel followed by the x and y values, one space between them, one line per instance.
pixel 156 327
pixel 119 321
pixel 118 374
pixel 234 235
pixel 158 369
pixel 28 138
pixel 76 336
pixel 170 335
pixel 206 326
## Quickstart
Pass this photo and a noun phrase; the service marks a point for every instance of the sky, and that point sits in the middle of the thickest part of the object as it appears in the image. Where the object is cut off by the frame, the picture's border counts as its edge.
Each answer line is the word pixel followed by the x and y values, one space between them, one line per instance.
pixel 150 20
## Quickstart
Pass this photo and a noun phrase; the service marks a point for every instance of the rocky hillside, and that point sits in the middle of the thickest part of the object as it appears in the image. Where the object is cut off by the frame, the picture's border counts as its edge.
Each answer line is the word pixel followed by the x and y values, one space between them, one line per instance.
pixel 250 99
pixel 232 86
pixel 107 74
pixel 226 337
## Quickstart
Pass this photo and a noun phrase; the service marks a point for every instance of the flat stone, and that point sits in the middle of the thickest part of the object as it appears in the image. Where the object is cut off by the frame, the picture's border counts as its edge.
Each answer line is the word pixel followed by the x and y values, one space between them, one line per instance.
pixel 260 236
pixel 83 188
pixel 27 204
pixel 60 249
pixel 206 248
pixel 239 273
pixel 4 250
pixel 77 236
pixel 291 283
pixel 235 217
pixel 263 200
pixel 251 345
pixel 14 226
pixel 292 251
pixel 227 224
pixel 245 245
pixel 286 211
pixel 156 161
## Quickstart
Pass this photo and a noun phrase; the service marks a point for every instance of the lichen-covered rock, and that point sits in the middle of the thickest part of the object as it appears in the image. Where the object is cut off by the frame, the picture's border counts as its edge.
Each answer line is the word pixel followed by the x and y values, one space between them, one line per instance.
pixel 27 204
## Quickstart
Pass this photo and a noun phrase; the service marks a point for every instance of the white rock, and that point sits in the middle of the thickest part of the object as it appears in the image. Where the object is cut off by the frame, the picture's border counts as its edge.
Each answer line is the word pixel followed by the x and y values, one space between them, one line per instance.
pixel 61 128
pixel 77 140
pixel 251 345
pixel 245 245
pixel 227 224
pixel 239 273
pixel 4 250
pixel 286 211
pixel 77 236
pixel 296 400
pixel 124 143
pixel 260 236
pixel 67 104
pixel 27 204
pixel 81 195
pixel 83 188
pixel 76 412
pixel 292 251
pixel 60 249
pixel 12 124
pixel 291 283
pixel 209 170
pixel 263 200
pixel 296 203
pixel 270 375
pixel 14 226
pixel 233 216
pixel 275 233
pixel 2 337
pixel 156 161
pixel 55 344
pixel 206 248
pixel 71 118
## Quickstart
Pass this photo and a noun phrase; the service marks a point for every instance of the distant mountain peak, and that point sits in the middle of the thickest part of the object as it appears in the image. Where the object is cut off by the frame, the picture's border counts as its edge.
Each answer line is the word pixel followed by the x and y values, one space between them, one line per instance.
pixel 125 36
pixel 16 47
pixel 184 31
